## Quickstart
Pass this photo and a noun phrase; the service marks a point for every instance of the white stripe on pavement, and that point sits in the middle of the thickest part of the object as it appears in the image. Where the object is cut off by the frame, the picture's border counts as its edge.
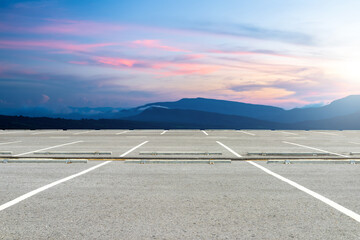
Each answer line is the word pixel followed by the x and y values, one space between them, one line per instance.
pixel 121 132
pixel 41 189
pixel 78 133
pixel 205 132
pixel 36 191
pixel 229 149
pixel 317 149
pixel 61 145
pixel 252 134
pixel 4 143
pixel 289 133
pixel 124 154
pixel 325 200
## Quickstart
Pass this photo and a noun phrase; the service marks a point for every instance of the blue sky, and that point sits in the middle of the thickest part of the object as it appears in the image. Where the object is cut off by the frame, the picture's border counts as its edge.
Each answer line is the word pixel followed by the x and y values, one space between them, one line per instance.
pixel 55 54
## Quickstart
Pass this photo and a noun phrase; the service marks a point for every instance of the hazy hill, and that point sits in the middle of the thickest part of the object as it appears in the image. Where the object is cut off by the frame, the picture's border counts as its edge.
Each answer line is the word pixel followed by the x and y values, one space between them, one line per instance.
pixel 344 106
pixel 340 107
pixel 202 119
pixel 218 106
pixel 347 122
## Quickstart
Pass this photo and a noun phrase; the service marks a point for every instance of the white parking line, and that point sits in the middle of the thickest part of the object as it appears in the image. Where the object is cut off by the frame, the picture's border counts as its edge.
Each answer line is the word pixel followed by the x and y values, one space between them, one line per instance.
pixel 21 154
pixel 325 200
pixel 121 132
pixel 229 149
pixel 289 133
pixel 252 134
pixel 6 132
pixel 333 134
pixel 205 132
pixel 41 189
pixel 10 142
pixel 126 153
pixel 37 133
pixel 36 191
pixel 354 142
pixel 78 133
pixel 163 132
pixel 317 149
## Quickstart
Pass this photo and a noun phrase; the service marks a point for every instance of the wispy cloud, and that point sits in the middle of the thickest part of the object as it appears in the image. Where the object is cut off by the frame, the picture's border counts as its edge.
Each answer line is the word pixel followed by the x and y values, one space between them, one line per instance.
pixel 52 45
pixel 72 27
pixel 156 44
pixel 252 31
pixel 159 68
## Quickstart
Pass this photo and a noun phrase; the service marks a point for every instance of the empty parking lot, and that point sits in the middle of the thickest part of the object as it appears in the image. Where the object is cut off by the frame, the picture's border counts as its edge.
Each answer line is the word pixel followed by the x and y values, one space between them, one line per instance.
pixel 111 196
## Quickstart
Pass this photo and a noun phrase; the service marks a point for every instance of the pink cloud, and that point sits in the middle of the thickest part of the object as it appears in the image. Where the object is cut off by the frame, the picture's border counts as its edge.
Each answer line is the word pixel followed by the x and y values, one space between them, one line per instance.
pixel 159 68
pixel 122 62
pixel 71 27
pixel 148 43
pixel 177 69
pixel 59 45
pixel 44 98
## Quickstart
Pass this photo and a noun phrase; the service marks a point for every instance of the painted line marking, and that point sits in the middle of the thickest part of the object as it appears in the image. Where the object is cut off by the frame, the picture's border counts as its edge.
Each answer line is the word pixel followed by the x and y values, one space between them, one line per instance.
pixel 41 189
pixel 163 132
pixel 205 132
pixel 126 153
pixel 37 133
pixel 252 134
pixel 78 133
pixel 229 149
pixel 317 149
pixel 36 191
pixel 325 200
pixel 5 132
pixel 333 134
pixel 121 132
pixel 10 142
pixel 61 145
pixel 354 142
pixel 289 133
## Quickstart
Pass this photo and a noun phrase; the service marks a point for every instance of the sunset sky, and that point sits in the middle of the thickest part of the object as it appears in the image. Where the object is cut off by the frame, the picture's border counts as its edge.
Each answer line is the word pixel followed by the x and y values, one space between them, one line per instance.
pixel 119 53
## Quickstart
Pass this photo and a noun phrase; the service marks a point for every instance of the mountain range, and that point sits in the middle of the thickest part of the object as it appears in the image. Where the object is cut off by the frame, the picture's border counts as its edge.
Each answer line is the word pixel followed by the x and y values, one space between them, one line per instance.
pixel 201 113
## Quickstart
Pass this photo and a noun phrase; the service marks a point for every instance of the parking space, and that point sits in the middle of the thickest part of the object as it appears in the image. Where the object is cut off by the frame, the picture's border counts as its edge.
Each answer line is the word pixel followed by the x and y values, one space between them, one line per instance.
pixel 241 200
pixel 175 202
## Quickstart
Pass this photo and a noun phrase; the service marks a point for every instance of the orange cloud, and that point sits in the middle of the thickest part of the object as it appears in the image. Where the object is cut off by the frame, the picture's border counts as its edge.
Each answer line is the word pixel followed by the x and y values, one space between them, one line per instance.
pixel 117 61
pixel 148 43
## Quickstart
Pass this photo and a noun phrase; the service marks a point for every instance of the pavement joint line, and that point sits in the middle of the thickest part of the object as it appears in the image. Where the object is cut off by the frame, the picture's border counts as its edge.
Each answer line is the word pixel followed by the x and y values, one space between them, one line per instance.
pixel 126 153
pixel 43 188
pixel 325 200
pixel 289 133
pixel 252 134
pixel 11 132
pixel 78 133
pixel 4 143
pixel 37 133
pixel 229 149
pixel 317 149
pixel 121 132
pixel 205 132
pixel 326 133
pixel 43 149
pixel 163 132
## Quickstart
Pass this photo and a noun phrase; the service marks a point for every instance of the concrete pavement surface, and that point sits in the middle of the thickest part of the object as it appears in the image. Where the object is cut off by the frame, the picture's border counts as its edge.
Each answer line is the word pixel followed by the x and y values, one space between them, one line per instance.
pixel 117 200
